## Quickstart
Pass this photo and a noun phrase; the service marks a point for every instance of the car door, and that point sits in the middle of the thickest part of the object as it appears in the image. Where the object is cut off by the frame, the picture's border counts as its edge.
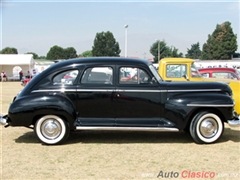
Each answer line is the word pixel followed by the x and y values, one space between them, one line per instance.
pixel 138 98
pixel 95 103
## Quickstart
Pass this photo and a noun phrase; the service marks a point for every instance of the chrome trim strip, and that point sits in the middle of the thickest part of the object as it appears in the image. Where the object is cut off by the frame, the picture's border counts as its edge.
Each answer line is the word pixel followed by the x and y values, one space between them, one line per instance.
pixel 129 90
pixel 211 105
pixel 126 128
pixel 122 90
pixel 194 90
pixel 53 90
pixel 96 90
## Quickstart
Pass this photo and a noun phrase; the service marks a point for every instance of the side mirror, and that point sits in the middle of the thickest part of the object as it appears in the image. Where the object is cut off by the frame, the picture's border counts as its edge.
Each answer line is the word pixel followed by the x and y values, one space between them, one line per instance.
pixel 186 77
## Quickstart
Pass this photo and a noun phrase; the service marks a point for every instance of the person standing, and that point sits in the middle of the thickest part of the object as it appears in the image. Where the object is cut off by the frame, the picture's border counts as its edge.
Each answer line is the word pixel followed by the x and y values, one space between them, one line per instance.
pixel 20 75
pixel 3 76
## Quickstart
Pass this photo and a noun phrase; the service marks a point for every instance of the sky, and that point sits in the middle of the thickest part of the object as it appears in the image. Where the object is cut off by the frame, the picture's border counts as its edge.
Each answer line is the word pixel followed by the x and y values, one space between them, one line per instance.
pixel 36 26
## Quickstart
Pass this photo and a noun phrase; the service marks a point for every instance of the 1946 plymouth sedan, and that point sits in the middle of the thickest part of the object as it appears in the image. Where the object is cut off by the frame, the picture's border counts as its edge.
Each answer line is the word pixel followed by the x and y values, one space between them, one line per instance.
pixel 112 93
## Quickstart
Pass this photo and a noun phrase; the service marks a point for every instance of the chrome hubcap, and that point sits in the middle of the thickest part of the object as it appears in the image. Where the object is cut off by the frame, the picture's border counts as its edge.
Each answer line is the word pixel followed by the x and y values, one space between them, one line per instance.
pixel 208 128
pixel 51 129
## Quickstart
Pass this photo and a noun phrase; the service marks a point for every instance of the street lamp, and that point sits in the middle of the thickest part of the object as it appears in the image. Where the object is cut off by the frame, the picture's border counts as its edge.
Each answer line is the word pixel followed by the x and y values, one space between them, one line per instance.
pixel 158 41
pixel 126 26
pixel 158 50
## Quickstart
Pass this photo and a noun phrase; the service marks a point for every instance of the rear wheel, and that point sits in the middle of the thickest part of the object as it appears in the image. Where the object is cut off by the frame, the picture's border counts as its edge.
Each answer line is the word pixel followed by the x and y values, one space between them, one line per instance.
pixel 206 127
pixel 51 129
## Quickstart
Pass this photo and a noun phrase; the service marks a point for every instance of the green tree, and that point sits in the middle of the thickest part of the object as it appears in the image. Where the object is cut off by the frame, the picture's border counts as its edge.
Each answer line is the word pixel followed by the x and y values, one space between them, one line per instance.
pixel 35 56
pixel 42 57
pixel 69 53
pixel 221 44
pixel 87 53
pixel 160 48
pixel 55 53
pixel 9 50
pixel 194 52
pixel 105 45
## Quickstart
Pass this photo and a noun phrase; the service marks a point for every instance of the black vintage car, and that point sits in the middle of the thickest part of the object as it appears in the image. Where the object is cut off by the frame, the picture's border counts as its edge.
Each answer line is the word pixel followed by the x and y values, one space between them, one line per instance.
pixel 112 93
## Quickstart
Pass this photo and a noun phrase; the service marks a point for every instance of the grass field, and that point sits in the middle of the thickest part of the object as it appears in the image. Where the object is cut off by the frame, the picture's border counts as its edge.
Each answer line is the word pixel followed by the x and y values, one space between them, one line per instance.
pixel 113 155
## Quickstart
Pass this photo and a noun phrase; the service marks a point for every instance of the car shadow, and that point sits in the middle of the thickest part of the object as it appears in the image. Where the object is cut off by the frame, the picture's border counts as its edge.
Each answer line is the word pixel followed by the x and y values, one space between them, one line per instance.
pixel 111 137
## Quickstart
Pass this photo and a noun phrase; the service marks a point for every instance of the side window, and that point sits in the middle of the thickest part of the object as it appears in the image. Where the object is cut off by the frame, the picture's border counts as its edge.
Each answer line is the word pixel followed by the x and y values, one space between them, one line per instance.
pixel 66 77
pixel 97 75
pixel 176 70
pixel 205 75
pixel 130 75
pixel 220 74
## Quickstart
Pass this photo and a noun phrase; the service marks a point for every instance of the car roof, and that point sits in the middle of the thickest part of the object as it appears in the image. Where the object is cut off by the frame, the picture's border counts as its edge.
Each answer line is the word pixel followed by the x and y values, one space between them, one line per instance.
pixel 177 60
pixel 102 60
pixel 218 69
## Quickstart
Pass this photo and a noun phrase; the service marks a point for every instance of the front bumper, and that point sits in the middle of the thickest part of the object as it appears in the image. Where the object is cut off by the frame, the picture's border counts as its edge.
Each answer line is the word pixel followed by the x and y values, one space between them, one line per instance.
pixel 236 121
pixel 4 120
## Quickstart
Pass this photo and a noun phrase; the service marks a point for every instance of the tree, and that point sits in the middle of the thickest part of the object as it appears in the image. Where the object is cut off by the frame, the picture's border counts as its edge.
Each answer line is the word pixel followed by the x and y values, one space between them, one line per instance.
pixel 70 52
pixel 55 53
pixel 42 57
pixel 35 56
pixel 194 52
pixel 9 50
pixel 160 48
pixel 221 44
pixel 105 45
pixel 87 53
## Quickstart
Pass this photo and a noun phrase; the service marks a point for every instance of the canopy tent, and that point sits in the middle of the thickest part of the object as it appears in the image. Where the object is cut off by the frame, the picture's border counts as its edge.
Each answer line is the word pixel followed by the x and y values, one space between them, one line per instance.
pixel 13 63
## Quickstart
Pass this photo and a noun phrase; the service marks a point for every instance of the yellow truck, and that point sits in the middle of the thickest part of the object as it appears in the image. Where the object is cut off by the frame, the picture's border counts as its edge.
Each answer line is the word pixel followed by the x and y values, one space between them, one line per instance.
pixel 184 69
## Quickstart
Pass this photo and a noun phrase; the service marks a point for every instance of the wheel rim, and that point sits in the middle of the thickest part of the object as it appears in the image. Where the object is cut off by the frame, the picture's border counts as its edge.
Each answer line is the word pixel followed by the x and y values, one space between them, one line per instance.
pixel 51 129
pixel 208 128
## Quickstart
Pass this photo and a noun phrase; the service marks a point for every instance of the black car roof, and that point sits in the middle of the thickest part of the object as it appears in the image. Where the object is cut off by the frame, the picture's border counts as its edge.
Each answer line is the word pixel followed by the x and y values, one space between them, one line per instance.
pixel 104 60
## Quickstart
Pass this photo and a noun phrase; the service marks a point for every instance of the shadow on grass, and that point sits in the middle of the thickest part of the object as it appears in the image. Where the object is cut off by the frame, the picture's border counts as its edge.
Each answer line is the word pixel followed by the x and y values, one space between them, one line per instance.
pixel 130 137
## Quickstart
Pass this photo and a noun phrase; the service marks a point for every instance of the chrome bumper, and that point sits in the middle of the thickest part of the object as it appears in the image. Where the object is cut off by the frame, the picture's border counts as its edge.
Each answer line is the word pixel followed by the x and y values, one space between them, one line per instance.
pixel 236 121
pixel 3 120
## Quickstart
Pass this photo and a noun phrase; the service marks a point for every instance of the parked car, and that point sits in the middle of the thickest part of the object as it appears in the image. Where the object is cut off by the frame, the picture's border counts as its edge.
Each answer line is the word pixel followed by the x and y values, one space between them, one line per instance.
pixel 228 73
pixel 96 98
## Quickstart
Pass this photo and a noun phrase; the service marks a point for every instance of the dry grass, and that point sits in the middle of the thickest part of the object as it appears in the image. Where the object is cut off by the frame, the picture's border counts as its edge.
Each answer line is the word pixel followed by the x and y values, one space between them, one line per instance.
pixel 112 155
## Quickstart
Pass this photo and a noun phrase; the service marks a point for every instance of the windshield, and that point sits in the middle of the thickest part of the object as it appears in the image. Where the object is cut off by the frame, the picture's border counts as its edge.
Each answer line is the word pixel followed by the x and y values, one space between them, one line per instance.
pixel 155 73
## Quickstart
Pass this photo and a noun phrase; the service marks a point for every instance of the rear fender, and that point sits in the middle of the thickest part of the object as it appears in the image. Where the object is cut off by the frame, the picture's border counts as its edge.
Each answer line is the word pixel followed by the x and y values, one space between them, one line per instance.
pixel 36 106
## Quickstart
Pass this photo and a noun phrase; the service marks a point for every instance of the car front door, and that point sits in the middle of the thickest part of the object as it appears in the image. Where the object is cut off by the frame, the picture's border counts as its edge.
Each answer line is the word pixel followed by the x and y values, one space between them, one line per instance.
pixel 138 98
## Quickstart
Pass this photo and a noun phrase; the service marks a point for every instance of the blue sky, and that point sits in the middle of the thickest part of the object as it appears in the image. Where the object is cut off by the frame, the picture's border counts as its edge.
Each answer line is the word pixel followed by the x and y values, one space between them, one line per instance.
pixel 36 26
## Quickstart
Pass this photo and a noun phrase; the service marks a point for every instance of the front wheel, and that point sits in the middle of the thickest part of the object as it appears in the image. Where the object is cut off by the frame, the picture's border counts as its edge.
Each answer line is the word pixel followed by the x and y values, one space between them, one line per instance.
pixel 206 127
pixel 51 129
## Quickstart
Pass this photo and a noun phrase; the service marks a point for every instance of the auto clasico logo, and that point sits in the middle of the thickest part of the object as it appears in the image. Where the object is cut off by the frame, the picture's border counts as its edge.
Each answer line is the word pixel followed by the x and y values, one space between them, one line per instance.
pixel 187 174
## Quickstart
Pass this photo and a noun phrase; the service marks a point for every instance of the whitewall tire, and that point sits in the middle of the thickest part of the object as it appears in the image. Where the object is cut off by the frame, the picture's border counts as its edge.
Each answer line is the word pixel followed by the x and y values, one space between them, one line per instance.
pixel 51 129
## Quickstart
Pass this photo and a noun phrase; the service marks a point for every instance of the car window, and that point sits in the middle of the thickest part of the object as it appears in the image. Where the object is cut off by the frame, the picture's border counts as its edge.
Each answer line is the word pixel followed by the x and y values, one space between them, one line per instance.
pixel 97 75
pixel 130 75
pixel 194 71
pixel 225 75
pixel 66 77
pixel 205 75
pixel 176 70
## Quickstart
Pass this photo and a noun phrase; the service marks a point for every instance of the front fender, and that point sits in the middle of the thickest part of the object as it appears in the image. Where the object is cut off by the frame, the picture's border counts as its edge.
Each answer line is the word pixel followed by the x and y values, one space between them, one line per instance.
pixel 23 110
pixel 180 108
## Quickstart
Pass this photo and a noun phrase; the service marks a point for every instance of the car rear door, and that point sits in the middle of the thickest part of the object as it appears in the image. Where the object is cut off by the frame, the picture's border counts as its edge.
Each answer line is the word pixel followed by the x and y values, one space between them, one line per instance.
pixel 95 103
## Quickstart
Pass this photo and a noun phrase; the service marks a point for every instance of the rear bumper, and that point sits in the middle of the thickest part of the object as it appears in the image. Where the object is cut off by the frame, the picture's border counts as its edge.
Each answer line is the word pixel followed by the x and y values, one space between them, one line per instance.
pixel 4 120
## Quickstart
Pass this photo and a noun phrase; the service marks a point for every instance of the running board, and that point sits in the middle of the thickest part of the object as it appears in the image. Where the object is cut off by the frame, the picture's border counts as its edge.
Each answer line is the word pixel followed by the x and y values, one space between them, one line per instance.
pixel 97 128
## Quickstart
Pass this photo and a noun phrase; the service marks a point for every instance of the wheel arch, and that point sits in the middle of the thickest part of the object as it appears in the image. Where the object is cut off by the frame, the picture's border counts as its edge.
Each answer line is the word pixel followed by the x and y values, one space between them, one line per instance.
pixel 198 110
